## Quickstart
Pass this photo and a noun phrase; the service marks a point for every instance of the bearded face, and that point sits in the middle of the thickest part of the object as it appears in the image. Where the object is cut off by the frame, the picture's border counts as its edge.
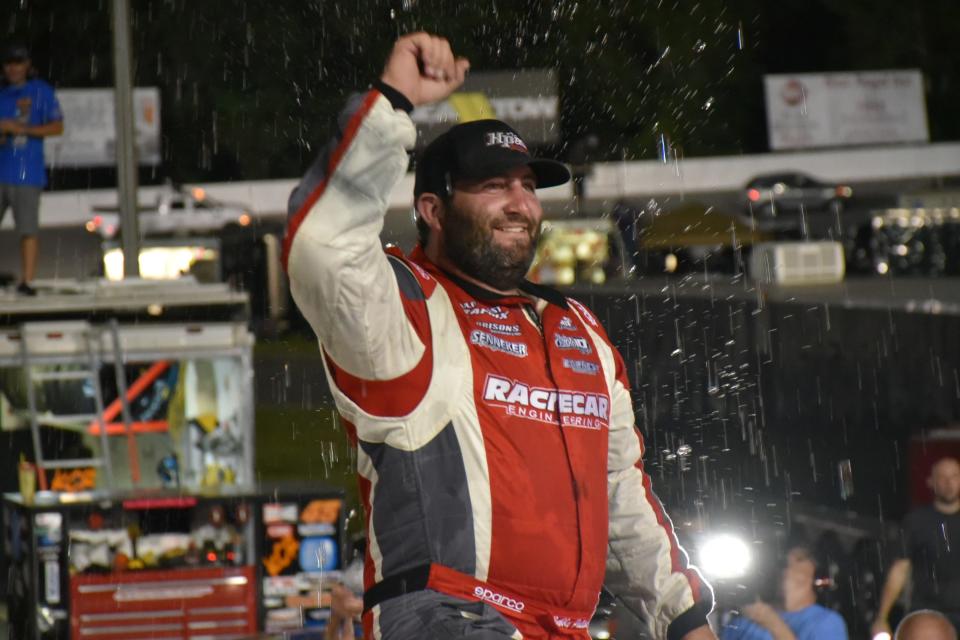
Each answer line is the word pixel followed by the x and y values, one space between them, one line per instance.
pixel 496 250
pixel 944 481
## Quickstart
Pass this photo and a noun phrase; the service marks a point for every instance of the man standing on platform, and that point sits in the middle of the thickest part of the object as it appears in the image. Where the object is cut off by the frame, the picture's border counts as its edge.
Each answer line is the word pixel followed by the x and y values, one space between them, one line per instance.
pixel 29 112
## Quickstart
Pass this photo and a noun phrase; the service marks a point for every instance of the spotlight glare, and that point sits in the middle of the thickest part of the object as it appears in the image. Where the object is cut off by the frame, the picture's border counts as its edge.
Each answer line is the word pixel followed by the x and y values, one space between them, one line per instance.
pixel 725 556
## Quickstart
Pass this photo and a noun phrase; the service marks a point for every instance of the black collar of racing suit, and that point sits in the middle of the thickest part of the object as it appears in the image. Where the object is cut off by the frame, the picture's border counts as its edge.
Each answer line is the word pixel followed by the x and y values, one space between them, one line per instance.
pixel 548 294
pixel 543 292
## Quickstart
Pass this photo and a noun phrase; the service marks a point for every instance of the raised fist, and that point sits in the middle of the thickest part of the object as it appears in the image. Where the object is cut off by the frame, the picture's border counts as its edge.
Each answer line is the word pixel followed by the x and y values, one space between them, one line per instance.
pixel 423 68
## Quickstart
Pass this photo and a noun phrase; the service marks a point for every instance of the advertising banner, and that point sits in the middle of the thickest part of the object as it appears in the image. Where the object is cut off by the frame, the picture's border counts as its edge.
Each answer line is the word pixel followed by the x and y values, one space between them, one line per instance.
pixel 89 128
pixel 813 110
pixel 526 100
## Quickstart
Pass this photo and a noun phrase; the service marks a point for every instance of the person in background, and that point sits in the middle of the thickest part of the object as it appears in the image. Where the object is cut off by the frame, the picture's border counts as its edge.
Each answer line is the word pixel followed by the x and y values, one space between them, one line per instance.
pixel 345 607
pixel 925 625
pixel 801 619
pixel 346 601
pixel 931 552
pixel 29 112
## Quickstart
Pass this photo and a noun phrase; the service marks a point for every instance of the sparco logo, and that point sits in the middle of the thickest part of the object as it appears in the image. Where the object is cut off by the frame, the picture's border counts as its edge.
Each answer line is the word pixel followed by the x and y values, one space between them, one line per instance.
pixel 506 139
pixel 499 599
pixel 575 408
pixel 571 342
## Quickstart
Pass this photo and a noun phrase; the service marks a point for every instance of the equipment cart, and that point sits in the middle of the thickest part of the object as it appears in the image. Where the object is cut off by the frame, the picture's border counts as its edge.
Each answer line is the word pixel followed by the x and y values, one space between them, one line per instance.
pixel 132 509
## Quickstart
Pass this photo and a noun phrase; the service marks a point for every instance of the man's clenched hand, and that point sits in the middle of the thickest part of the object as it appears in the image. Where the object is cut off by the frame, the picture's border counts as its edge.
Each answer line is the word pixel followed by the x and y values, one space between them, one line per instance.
pixel 423 68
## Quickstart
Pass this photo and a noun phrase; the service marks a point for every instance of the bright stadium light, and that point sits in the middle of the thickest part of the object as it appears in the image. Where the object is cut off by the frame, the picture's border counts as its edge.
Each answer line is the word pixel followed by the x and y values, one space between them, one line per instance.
pixel 725 556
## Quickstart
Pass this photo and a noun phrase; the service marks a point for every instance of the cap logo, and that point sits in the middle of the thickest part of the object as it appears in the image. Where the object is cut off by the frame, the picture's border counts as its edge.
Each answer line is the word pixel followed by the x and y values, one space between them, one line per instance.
pixel 507 140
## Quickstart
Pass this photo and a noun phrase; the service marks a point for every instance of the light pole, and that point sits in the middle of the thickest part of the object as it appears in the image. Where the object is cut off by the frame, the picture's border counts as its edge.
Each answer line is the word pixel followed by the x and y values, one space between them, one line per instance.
pixel 126 149
pixel 579 157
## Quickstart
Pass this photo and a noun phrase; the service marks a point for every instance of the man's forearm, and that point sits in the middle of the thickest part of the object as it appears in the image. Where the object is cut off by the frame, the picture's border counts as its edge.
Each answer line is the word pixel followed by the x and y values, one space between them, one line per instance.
pixel 44 130
pixel 339 276
pixel 896 579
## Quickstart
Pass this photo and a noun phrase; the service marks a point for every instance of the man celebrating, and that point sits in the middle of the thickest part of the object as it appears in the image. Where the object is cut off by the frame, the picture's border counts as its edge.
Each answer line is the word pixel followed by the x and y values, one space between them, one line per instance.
pixel 29 112
pixel 498 460
pixel 932 552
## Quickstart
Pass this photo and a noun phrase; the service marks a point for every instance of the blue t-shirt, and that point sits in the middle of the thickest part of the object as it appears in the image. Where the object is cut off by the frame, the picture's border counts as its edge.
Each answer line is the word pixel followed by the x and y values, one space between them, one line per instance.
pixel 810 623
pixel 21 157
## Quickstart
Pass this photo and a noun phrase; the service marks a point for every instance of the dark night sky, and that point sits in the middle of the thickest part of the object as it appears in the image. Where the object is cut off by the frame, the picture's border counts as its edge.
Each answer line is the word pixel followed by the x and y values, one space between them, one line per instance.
pixel 249 87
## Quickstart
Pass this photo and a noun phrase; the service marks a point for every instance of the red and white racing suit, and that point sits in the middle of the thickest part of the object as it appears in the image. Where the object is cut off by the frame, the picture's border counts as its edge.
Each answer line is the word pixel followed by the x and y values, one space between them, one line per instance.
pixel 497 455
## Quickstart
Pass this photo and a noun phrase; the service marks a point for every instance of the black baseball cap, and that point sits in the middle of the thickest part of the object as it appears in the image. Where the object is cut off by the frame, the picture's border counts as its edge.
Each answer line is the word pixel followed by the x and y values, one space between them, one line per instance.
pixel 476 150
pixel 15 52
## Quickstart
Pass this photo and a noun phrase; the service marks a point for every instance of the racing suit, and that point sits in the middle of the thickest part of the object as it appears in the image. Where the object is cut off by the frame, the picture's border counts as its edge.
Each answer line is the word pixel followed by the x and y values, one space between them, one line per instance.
pixel 499 465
